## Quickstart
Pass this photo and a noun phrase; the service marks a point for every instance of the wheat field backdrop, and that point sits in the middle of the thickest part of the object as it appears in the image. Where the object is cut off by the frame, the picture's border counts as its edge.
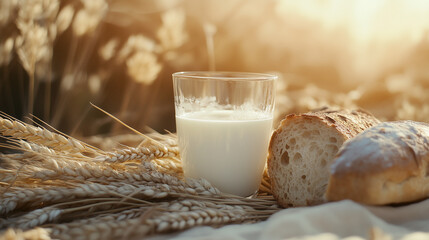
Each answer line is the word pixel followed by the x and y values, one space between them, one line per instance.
pixel 70 171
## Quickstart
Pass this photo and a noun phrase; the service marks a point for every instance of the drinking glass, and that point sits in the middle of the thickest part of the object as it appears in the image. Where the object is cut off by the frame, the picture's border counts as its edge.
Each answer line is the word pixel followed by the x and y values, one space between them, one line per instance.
pixel 224 124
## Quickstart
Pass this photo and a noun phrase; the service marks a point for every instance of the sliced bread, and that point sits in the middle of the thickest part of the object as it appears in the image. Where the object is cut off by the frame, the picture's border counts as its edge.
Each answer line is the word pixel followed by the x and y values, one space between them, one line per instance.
pixel 302 149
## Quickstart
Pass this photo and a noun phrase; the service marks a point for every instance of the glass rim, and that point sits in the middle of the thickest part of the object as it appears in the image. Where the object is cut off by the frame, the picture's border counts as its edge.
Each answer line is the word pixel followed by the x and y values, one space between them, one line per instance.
pixel 226 75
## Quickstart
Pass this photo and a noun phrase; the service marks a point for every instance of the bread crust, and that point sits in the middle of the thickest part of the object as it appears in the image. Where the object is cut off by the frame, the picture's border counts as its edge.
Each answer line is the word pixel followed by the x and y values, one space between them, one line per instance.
pixel 385 164
pixel 347 123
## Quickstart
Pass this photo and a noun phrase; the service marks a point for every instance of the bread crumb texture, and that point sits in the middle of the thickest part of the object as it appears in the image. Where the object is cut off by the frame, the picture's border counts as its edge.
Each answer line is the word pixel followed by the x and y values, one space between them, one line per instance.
pixel 302 149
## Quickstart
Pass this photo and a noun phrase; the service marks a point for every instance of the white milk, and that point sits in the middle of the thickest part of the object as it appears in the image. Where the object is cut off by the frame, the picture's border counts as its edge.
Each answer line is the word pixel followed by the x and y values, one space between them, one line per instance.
pixel 227 148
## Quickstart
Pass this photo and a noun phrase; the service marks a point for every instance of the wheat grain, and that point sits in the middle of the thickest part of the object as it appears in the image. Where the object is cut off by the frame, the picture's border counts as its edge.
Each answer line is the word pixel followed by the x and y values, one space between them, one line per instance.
pixel 171 166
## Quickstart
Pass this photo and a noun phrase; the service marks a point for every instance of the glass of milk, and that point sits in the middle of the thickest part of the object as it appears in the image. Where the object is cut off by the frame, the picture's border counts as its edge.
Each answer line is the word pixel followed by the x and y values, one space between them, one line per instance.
pixel 224 124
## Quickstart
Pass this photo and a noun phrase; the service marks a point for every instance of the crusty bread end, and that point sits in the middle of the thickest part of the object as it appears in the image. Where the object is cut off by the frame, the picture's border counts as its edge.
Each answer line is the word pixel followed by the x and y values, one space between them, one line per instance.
pixel 302 149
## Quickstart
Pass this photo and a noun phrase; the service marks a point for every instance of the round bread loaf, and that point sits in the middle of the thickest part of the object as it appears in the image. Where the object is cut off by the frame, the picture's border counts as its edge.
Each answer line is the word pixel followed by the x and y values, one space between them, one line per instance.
pixel 302 149
pixel 385 164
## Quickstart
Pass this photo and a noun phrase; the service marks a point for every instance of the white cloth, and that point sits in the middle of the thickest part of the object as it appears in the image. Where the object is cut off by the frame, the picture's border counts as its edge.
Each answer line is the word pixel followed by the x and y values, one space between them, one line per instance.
pixel 337 220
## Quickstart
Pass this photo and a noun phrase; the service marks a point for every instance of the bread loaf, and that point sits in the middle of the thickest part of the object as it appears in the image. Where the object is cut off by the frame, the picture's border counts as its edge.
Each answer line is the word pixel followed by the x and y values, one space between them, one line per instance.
pixel 385 164
pixel 302 149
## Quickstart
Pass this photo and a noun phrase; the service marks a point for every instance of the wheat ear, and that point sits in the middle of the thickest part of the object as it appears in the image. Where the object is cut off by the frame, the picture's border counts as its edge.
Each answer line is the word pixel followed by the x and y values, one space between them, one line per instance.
pixel 141 153
pixel 18 197
pixel 171 166
pixel 42 136
pixel 37 148
pixel 34 218
pixel 100 230
pixel 163 223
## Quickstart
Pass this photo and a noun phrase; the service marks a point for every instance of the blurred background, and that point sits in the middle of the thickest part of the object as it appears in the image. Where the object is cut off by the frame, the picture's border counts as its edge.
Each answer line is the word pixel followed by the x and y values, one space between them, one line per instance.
pixel 58 56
